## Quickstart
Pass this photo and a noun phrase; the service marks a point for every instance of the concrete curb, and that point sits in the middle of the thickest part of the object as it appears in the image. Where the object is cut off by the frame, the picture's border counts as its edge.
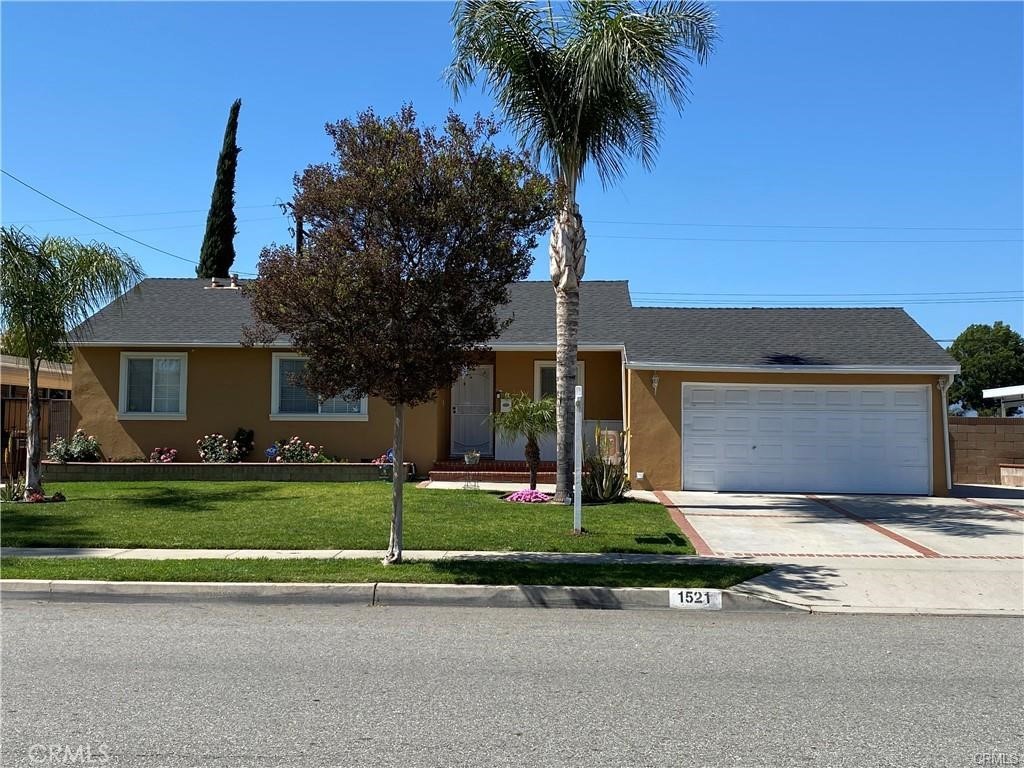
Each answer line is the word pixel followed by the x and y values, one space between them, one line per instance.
pixel 382 594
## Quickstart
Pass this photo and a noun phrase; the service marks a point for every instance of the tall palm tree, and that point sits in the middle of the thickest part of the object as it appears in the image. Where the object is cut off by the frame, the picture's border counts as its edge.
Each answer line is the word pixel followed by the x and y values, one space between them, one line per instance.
pixel 51 285
pixel 527 418
pixel 582 83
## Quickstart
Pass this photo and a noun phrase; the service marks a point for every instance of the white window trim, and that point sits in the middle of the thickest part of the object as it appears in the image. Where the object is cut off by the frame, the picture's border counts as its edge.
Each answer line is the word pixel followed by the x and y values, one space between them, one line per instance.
pixel 122 396
pixel 275 398
pixel 580 377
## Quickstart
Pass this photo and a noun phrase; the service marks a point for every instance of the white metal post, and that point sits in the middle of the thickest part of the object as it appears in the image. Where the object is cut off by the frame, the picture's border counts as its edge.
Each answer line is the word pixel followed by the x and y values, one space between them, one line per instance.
pixel 577 485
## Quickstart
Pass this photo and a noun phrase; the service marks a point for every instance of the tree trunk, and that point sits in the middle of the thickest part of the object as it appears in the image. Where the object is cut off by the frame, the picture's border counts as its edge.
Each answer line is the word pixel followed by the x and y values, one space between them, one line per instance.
pixel 394 554
pixel 567 255
pixel 33 473
pixel 532 461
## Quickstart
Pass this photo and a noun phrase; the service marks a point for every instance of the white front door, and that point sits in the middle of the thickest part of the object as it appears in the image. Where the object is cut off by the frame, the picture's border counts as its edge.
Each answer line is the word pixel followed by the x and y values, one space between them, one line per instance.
pixel 839 439
pixel 472 401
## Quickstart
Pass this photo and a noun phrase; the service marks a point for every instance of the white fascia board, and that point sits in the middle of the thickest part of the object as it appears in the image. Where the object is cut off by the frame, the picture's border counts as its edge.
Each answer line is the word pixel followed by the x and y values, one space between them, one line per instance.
pixel 551 348
pixel 1016 391
pixel 177 345
pixel 919 369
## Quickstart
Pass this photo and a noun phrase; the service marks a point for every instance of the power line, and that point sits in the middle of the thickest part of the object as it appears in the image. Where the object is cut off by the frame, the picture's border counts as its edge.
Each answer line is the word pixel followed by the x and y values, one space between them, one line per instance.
pixel 137 215
pixel 624 222
pixel 100 223
pixel 191 226
pixel 801 226
pixel 97 223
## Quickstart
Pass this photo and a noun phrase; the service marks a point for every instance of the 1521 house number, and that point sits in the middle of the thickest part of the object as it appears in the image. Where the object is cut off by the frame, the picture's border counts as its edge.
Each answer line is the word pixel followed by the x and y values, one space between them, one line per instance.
pixel 706 599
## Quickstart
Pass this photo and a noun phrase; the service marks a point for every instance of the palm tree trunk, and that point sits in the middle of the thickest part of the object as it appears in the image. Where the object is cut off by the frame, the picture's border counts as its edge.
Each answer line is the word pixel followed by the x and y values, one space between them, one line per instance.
pixel 532 461
pixel 394 554
pixel 567 255
pixel 33 473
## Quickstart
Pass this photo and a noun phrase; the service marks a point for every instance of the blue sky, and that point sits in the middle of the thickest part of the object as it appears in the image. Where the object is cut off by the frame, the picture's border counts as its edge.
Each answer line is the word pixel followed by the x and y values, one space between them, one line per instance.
pixel 811 119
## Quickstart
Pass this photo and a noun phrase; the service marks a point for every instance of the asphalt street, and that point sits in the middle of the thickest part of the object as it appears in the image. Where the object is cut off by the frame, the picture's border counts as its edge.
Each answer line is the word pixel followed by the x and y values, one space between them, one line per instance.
pixel 231 685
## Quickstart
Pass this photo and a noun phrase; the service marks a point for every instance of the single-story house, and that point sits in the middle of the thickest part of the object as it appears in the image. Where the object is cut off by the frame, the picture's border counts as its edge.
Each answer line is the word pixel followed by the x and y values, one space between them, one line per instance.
pixel 802 400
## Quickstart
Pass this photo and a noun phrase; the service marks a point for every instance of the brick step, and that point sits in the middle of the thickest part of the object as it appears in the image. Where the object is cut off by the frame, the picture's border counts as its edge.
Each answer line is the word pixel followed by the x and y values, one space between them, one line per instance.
pixel 489 476
pixel 488 465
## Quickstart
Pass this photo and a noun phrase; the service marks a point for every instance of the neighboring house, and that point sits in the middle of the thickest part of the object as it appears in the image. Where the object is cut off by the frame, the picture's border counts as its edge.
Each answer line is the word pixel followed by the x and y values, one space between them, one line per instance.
pixel 1010 398
pixel 54 408
pixel 810 400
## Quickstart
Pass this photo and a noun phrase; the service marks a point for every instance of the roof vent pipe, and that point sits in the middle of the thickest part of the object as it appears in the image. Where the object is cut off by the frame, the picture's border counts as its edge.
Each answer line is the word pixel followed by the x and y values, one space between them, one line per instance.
pixel 234 280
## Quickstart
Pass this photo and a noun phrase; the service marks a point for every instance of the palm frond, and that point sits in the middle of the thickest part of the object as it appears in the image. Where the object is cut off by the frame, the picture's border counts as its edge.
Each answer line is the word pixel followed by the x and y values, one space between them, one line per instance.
pixel 583 88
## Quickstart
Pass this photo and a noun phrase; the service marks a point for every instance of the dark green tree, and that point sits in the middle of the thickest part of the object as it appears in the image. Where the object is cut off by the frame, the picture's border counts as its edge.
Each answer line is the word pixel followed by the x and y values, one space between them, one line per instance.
pixel 412 238
pixel 218 251
pixel 990 356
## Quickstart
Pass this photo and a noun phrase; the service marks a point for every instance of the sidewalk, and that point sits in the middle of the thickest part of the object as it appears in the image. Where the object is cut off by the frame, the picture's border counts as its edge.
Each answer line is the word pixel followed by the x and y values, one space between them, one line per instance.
pixel 817 584
pixel 591 558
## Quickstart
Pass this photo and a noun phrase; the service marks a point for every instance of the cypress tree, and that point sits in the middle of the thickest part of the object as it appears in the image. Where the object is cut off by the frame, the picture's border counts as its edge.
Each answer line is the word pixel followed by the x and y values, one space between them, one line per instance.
pixel 218 251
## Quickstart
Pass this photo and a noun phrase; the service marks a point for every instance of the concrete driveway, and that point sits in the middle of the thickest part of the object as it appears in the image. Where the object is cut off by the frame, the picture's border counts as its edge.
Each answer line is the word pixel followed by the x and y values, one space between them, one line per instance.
pixel 853 553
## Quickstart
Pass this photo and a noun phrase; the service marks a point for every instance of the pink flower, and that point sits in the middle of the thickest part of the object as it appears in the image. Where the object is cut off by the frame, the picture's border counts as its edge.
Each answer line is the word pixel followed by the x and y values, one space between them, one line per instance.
pixel 529 497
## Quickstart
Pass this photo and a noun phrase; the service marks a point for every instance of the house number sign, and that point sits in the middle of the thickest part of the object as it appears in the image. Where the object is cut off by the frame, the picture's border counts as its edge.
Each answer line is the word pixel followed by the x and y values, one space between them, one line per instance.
pixel 695 599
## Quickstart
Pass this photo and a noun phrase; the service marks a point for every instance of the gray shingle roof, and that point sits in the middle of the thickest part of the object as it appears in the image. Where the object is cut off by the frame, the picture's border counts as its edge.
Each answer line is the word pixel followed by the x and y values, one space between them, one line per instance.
pixel 166 311
pixel 184 312
pixel 876 336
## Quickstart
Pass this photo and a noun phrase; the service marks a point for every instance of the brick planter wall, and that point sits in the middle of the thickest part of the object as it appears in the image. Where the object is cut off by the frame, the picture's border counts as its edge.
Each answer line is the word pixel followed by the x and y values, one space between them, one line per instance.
pixel 978 446
pixel 122 471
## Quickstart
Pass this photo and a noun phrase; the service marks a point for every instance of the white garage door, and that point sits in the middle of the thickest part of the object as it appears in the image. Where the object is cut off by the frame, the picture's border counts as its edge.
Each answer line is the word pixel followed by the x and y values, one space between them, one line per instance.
pixel 806 438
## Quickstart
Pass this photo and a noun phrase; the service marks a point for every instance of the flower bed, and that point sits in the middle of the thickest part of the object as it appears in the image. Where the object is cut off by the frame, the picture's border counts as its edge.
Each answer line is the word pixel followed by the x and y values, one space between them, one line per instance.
pixel 324 472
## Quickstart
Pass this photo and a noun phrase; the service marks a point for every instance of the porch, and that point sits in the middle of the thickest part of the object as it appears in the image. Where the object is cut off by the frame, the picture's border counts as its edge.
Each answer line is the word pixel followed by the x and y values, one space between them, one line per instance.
pixel 485 388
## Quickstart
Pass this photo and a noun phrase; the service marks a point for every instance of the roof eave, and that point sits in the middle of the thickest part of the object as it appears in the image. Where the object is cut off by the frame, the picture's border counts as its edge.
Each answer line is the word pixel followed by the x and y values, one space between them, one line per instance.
pixel 937 370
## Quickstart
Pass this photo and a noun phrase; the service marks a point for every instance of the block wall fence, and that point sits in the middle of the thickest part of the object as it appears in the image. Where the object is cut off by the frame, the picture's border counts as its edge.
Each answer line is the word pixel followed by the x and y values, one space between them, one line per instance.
pixel 978 446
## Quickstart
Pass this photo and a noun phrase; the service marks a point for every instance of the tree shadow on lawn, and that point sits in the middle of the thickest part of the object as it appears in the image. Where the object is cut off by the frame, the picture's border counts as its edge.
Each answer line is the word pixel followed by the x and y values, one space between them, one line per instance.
pixel 200 499
pixel 46 525
pixel 578 572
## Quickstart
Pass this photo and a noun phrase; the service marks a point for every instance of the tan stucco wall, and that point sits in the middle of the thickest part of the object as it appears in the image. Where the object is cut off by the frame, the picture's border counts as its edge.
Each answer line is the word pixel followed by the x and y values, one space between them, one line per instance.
pixel 655 421
pixel 514 372
pixel 228 389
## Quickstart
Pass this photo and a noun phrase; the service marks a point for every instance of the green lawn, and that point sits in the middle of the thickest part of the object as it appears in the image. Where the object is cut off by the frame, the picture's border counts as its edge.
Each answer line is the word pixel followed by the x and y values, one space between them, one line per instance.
pixel 263 515
pixel 351 571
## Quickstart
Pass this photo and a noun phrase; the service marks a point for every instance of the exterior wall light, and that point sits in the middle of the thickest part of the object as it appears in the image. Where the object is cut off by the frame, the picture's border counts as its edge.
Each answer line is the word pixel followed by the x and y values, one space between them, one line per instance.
pixel 655 379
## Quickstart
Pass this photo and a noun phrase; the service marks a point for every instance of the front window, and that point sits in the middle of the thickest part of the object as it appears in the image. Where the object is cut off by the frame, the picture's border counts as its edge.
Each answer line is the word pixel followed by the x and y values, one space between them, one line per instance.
pixel 152 385
pixel 293 401
pixel 544 383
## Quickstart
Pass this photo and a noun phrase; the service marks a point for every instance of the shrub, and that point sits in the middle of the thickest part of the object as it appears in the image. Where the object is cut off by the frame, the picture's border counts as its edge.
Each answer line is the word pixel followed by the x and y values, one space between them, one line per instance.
pixel 217 449
pixel 604 476
pixel 245 439
pixel 295 451
pixel 13 490
pixel 163 455
pixel 81 447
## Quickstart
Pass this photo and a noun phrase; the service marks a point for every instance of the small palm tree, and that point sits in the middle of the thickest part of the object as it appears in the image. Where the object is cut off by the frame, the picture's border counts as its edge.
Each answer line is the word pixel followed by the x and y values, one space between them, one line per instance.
pixel 51 285
pixel 582 86
pixel 527 418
